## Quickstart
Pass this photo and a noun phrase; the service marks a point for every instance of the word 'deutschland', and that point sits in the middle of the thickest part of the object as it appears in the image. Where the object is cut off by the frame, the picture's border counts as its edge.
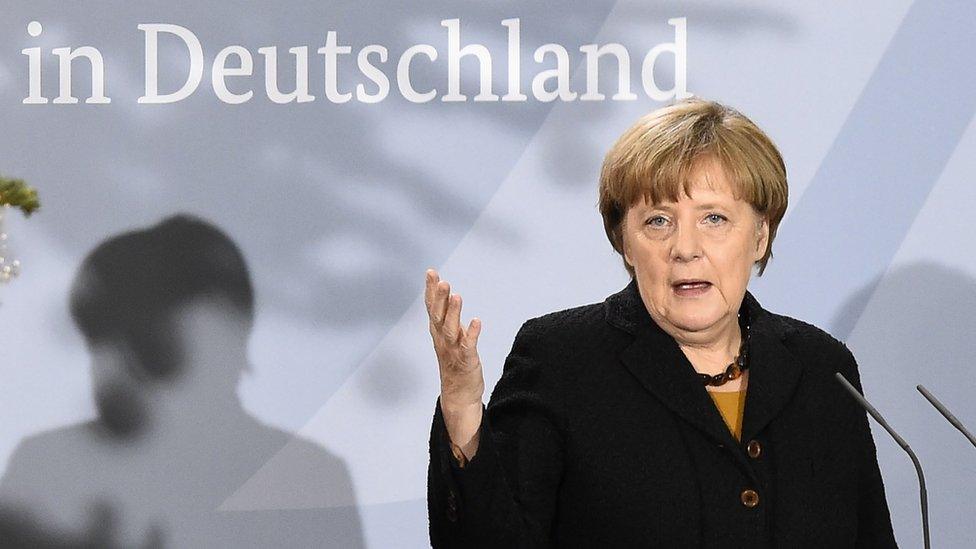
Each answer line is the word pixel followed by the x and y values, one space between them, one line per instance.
pixel 232 66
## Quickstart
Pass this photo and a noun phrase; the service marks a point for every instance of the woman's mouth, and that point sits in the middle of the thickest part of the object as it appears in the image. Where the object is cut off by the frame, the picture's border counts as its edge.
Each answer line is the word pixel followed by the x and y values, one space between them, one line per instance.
pixel 691 288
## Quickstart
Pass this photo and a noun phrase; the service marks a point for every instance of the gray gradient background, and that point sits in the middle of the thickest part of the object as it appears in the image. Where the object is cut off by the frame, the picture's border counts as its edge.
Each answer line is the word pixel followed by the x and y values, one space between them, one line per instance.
pixel 340 208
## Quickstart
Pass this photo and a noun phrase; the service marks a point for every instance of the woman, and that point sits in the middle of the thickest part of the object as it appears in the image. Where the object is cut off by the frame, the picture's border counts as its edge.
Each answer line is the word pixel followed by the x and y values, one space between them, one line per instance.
pixel 678 412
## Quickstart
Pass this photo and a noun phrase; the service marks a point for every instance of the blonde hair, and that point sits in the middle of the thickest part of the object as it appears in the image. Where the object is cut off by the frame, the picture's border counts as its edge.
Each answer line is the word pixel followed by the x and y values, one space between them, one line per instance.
pixel 653 158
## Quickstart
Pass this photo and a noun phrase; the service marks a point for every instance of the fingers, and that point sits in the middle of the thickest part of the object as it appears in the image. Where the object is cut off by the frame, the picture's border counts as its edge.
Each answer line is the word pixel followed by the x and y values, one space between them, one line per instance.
pixel 436 293
pixel 452 322
pixel 430 285
pixel 444 310
pixel 430 282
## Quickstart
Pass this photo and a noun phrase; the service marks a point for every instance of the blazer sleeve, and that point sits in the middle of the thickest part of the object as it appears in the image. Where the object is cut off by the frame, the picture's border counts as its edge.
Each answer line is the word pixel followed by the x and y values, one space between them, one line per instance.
pixel 506 494
pixel 874 520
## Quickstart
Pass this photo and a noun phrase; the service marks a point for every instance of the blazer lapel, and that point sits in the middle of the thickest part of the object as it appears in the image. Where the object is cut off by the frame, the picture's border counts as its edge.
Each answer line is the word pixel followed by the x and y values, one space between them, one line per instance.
pixel 774 371
pixel 655 359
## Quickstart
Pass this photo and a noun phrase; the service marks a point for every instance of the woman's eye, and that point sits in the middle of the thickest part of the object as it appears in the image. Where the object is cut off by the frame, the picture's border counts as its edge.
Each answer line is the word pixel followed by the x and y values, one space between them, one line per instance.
pixel 715 218
pixel 656 221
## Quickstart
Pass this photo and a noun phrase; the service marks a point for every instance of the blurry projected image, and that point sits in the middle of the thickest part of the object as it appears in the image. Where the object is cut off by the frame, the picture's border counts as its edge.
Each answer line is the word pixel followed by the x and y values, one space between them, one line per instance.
pixel 166 312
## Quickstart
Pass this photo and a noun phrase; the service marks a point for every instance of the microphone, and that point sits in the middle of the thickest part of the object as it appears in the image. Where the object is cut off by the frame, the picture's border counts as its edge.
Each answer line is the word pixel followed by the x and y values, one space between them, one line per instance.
pixel 945 412
pixel 923 496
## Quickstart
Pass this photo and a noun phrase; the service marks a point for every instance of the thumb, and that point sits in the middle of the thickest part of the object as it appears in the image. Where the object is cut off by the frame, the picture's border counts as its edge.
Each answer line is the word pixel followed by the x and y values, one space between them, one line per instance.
pixel 471 336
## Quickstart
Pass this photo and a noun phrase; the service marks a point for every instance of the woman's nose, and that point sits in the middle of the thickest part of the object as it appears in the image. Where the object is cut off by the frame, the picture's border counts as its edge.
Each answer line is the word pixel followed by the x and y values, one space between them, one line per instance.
pixel 686 244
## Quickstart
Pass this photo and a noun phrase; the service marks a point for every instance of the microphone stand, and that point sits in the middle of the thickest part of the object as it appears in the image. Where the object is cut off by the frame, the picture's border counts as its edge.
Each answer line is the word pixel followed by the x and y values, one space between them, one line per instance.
pixel 945 412
pixel 901 442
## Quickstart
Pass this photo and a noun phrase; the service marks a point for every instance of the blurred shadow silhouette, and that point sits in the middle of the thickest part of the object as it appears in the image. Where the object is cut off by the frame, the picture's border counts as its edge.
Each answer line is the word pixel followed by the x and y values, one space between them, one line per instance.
pixel 19 529
pixel 166 312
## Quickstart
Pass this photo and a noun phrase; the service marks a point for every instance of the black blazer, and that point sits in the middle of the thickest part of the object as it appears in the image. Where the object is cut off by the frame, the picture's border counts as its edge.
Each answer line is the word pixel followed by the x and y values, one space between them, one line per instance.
pixel 600 434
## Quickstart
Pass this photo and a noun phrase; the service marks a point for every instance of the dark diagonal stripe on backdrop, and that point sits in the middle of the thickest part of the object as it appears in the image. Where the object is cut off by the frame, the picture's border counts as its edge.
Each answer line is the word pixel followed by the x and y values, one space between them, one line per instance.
pixel 891 150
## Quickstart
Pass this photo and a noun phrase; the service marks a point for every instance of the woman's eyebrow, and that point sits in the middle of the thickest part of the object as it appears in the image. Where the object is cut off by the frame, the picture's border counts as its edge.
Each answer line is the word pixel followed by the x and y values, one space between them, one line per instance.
pixel 710 205
pixel 660 206
pixel 669 207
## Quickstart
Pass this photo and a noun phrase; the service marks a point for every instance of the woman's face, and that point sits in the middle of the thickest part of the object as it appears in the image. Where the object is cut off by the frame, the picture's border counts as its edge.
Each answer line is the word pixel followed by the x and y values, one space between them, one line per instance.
pixel 710 237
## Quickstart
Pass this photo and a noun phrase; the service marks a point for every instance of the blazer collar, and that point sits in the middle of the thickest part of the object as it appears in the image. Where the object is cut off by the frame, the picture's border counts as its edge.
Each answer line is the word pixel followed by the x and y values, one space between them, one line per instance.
pixel 658 363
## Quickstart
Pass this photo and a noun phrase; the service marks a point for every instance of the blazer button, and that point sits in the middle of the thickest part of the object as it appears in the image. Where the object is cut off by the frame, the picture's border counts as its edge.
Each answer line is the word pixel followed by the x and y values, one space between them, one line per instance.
pixel 754 449
pixel 749 498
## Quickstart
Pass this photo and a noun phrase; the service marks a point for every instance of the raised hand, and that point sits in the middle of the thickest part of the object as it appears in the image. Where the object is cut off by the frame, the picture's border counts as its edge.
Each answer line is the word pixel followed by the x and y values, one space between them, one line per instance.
pixel 462 378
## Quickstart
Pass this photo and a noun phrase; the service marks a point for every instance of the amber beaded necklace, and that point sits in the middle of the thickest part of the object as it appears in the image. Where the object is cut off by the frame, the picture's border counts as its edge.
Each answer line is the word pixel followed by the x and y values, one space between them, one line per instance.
pixel 739 364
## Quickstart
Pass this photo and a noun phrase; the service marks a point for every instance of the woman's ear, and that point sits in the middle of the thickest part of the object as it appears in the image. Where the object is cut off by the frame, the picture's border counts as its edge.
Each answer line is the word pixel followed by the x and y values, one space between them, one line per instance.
pixel 625 249
pixel 762 237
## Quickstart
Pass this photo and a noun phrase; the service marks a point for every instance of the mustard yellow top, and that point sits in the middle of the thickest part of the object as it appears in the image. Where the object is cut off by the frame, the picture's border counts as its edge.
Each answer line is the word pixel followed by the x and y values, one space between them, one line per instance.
pixel 731 405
